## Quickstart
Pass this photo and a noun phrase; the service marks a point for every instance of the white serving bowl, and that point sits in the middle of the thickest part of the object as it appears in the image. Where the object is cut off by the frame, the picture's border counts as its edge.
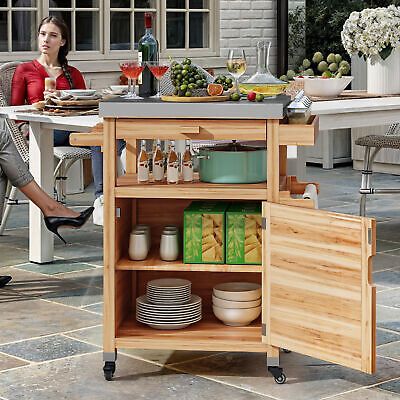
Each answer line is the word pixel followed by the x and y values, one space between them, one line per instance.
pixel 237 291
pixel 237 316
pixel 235 304
pixel 325 87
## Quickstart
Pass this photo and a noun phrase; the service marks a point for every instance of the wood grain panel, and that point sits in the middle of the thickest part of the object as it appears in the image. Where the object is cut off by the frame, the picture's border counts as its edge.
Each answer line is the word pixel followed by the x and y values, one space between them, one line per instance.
pixel 167 129
pixel 208 335
pixel 299 134
pixel 319 297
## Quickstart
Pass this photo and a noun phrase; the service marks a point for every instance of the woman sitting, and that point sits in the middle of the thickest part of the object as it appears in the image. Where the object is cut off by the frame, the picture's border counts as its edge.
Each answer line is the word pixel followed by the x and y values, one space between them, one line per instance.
pixel 28 83
pixel 13 168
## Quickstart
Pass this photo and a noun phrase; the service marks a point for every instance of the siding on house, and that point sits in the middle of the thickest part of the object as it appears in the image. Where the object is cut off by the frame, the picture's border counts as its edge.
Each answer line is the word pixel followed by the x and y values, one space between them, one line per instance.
pixel 243 23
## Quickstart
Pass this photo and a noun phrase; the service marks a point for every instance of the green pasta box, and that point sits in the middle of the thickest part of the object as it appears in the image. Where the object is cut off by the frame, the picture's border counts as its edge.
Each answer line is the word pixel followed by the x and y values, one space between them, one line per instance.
pixel 244 233
pixel 204 233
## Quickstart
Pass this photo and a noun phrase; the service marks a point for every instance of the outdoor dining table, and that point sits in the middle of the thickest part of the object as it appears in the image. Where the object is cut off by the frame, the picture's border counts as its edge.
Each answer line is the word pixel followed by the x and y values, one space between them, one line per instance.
pixel 335 114
pixel 41 165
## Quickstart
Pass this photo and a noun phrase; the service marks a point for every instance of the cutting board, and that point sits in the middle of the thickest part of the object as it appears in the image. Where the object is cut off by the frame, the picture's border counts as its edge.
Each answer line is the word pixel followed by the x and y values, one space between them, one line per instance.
pixel 205 99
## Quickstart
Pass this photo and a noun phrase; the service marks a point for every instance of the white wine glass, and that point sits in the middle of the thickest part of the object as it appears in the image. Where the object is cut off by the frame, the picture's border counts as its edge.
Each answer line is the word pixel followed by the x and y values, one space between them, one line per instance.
pixel 236 65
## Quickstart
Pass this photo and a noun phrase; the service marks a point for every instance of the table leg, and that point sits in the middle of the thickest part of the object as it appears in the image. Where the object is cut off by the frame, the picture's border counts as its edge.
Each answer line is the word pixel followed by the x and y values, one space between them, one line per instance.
pixel 327 149
pixel 41 165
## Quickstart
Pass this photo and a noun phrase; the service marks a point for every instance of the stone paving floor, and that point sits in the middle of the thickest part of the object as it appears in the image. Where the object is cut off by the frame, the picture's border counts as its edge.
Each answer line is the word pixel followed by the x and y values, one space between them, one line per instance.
pixel 51 315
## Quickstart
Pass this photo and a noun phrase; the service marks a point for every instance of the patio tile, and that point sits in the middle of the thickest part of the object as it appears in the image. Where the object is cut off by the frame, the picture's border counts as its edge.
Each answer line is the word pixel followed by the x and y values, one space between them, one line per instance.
pixel 95 336
pixel 384 245
pixel 391 350
pixel 382 261
pixel 79 253
pixel 388 318
pixel 12 255
pixel 389 297
pixel 305 381
pixel 389 278
pixel 24 317
pixel 8 362
pixel 35 284
pixel 388 230
pixel 367 394
pixel 133 378
pixel 88 277
pixel 47 348
pixel 76 297
pixel 16 238
pixel 56 267
pixel 384 336
pixel 393 386
pixel 96 308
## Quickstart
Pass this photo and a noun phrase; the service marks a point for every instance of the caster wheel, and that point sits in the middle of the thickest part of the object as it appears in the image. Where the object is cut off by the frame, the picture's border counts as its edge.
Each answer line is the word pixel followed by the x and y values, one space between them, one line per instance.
pixel 109 369
pixel 281 379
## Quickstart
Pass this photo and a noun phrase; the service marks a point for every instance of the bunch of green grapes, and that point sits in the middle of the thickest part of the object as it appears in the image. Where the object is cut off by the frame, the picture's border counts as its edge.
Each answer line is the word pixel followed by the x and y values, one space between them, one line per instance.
pixel 186 77
pixel 226 82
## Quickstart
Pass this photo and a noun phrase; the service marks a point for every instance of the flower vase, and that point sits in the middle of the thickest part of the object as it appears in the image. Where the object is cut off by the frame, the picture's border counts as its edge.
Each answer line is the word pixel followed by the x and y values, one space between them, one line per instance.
pixel 384 76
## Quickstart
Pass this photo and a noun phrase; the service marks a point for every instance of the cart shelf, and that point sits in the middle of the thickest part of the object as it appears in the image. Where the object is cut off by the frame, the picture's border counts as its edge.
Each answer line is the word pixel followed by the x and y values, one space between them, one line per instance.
pixel 153 263
pixel 208 334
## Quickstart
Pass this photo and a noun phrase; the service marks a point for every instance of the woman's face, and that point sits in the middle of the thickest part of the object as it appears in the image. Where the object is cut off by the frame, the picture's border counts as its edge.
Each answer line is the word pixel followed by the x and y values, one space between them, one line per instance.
pixel 50 39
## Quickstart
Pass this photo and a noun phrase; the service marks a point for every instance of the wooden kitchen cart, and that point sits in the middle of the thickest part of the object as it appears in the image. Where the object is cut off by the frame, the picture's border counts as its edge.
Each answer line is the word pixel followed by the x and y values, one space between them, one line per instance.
pixel 317 294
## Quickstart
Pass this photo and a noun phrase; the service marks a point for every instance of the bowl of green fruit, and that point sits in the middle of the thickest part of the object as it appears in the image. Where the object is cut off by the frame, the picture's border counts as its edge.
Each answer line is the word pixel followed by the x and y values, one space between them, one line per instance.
pixel 328 87
pixel 321 76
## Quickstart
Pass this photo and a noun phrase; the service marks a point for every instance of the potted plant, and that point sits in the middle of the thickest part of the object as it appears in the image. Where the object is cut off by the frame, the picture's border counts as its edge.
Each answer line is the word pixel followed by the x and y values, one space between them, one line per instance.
pixel 374 34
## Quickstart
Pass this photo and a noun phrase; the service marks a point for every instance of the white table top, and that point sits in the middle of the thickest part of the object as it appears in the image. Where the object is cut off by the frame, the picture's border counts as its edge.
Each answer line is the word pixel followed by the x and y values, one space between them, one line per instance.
pixel 76 123
pixel 355 105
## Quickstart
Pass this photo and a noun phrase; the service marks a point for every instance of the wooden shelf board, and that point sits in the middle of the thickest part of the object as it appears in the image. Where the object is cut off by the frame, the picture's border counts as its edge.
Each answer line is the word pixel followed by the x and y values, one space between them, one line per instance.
pixel 153 263
pixel 128 187
pixel 208 334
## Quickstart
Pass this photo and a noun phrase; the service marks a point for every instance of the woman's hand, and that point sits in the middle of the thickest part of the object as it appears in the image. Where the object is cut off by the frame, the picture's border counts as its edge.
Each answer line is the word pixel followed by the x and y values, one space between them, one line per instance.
pixel 49 93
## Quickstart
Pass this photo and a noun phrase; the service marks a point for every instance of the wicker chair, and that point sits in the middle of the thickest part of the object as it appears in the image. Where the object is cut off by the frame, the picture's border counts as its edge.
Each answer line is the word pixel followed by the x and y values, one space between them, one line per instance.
pixel 391 140
pixel 66 155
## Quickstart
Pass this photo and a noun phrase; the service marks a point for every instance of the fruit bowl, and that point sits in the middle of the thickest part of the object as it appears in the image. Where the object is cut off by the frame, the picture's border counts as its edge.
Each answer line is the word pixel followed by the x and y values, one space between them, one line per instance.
pixel 267 89
pixel 325 87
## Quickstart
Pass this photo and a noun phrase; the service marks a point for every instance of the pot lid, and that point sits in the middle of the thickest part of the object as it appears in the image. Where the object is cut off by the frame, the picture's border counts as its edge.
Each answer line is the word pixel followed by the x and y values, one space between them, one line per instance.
pixel 232 147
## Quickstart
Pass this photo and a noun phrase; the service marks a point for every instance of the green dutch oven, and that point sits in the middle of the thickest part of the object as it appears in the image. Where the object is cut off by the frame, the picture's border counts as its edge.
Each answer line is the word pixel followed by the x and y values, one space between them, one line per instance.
pixel 232 163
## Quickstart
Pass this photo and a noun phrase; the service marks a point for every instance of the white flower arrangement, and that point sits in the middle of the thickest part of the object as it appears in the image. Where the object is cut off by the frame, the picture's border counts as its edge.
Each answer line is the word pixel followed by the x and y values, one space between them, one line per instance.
pixel 372 33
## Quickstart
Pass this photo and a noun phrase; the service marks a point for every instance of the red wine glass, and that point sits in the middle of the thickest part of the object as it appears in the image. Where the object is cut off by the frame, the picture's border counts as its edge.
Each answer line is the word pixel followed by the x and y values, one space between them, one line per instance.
pixel 158 69
pixel 132 70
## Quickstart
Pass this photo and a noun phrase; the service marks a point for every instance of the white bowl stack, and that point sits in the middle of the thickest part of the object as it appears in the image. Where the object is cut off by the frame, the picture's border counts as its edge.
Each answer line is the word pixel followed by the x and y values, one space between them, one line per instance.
pixel 237 303
pixel 168 304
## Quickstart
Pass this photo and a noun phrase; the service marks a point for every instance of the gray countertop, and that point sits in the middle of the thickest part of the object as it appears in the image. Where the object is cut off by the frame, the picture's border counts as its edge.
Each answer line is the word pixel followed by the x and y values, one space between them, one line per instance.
pixel 152 108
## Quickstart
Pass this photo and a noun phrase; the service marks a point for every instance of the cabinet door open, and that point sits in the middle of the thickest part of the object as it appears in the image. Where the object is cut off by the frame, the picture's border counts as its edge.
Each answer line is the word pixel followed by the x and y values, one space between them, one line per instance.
pixel 317 284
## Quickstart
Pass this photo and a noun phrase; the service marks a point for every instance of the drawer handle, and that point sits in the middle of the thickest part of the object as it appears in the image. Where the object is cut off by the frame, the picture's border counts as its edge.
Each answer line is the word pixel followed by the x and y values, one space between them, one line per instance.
pixel 190 129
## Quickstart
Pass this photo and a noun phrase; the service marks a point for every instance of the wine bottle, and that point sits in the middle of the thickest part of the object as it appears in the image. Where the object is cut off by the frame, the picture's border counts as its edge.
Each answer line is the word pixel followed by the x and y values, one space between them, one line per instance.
pixel 147 51
pixel 158 163
pixel 187 164
pixel 172 164
pixel 143 164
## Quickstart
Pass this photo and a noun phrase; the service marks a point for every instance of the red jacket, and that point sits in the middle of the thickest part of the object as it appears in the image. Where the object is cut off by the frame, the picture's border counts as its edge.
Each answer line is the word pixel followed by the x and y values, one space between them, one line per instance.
pixel 28 82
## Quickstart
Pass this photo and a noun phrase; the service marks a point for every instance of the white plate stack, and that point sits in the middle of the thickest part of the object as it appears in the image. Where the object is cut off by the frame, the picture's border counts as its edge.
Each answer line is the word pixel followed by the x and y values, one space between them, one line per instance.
pixel 168 304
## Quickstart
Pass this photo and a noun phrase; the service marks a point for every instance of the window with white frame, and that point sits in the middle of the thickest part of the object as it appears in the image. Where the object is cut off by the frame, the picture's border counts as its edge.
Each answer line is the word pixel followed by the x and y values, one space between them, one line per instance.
pixel 111 29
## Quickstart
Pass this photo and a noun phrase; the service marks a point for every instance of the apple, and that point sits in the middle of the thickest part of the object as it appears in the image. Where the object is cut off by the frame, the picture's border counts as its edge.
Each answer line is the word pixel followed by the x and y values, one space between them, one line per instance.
pixel 251 96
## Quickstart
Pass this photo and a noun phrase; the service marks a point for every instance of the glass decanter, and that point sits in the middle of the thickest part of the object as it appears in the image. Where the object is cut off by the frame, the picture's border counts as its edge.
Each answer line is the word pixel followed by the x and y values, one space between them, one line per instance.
pixel 263 74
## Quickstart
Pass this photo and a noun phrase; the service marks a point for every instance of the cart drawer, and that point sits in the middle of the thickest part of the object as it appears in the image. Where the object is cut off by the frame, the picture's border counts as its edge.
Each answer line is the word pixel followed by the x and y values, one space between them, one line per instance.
pixel 299 134
pixel 191 129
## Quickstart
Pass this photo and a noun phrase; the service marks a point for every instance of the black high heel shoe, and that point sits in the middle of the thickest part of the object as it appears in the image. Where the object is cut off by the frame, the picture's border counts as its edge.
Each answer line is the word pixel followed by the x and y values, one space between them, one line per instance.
pixel 4 280
pixel 53 223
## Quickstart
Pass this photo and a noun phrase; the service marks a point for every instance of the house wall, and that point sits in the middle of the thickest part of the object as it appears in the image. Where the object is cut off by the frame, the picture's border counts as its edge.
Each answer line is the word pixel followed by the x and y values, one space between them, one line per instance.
pixel 242 24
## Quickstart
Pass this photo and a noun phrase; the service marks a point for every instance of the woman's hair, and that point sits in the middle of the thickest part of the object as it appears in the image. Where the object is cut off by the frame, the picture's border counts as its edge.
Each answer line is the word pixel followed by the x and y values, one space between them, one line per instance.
pixel 62 53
